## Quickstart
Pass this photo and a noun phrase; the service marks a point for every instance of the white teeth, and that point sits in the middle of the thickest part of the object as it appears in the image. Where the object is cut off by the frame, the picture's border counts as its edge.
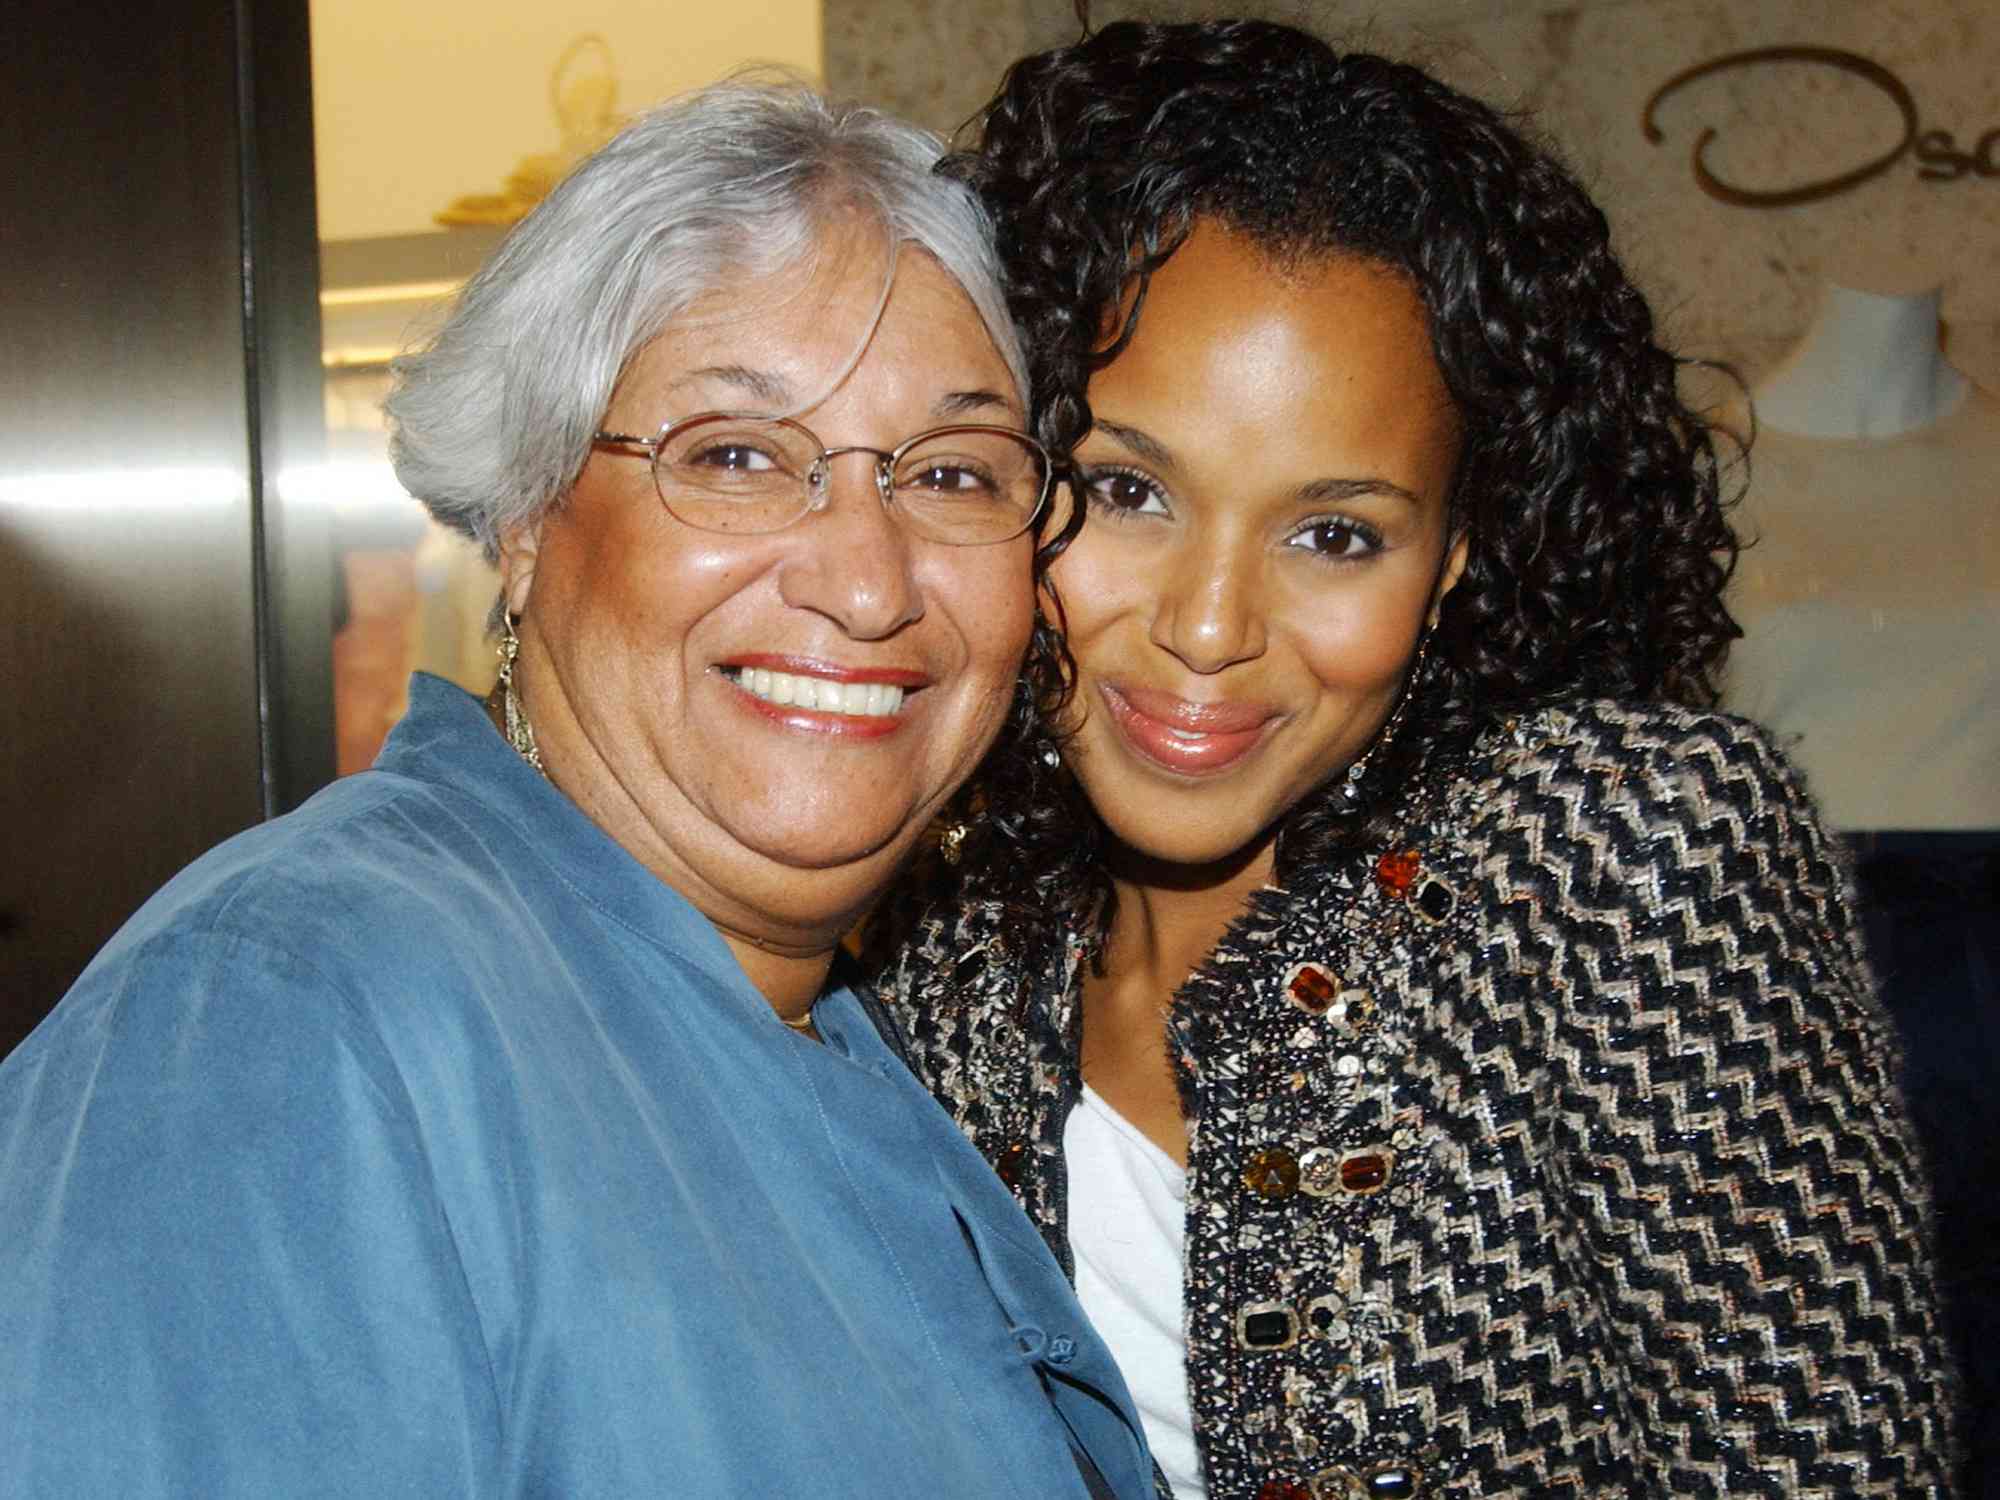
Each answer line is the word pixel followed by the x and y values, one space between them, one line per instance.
pixel 1186 734
pixel 866 699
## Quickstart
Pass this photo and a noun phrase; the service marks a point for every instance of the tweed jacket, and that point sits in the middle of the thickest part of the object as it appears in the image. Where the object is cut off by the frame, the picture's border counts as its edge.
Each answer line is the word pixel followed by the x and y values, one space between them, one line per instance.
pixel 1552 1147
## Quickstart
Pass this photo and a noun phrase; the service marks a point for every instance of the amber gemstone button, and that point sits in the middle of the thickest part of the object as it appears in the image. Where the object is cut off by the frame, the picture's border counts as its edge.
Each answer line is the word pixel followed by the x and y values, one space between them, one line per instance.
pixel 1396 871
pixel 1312 989
pixel 1364 1172
pixel 1008 1164
pixel 1272 1173
pixel 1283 1489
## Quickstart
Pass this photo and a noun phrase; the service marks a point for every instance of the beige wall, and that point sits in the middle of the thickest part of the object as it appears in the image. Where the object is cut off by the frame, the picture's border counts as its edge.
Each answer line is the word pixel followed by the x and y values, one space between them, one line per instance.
pixel 417 102
pixel 1731 281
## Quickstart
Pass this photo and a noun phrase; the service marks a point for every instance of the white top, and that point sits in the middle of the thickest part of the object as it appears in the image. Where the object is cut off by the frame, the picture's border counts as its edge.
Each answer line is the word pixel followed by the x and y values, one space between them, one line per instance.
pixel 1127 1208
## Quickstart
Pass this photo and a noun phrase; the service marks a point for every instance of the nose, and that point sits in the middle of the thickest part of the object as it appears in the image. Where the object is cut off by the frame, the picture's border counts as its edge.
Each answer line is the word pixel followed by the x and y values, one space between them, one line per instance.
pixel 853 563
pixel 1210 610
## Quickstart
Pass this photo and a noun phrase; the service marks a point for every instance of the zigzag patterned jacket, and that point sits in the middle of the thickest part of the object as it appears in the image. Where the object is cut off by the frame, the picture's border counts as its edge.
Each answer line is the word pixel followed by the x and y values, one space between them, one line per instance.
pixel 1552 1149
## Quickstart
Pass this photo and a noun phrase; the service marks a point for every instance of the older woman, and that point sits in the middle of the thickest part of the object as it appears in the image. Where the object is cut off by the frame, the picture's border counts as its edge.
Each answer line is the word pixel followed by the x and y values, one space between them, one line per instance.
pixel 1442 1048
pixel 491 1125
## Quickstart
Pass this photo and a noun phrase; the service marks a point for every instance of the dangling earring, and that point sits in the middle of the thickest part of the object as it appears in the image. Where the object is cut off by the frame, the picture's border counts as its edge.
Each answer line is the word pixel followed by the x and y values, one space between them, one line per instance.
pixel 951 843
pixel 1350 786
pixel 520 733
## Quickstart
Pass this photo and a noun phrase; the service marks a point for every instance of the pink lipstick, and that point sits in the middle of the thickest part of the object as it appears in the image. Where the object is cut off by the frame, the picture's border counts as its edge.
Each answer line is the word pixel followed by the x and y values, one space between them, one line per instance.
pixel 1183 736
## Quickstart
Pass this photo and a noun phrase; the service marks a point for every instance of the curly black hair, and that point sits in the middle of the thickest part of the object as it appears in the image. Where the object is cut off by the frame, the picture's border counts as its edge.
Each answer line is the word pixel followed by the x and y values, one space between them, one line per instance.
pixel 1599 544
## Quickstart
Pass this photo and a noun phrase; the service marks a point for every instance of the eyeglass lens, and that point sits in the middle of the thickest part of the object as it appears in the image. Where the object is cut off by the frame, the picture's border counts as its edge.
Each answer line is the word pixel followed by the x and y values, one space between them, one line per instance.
pixel 957 485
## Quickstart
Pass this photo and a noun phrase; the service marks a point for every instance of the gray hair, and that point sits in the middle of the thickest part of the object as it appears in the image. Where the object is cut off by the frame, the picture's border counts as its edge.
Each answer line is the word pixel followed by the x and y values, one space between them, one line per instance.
pixel 492 419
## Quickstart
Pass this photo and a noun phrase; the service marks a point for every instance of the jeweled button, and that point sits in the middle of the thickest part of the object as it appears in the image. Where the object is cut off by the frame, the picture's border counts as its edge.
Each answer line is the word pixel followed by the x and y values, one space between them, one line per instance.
pixel 1396 871
pixel 1319 1172
pixel 1311 988
pixel 1433 900
pixel 1008 1164
pixel 1267 1325
pixel 1326 1317
pixel 1272 1173
pixel 1393 1482
pixel 1365 1171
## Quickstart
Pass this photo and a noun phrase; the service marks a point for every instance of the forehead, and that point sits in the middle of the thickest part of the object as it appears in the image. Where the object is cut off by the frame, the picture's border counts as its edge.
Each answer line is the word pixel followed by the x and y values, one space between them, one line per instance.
pixel 849 316
pixel 1325 361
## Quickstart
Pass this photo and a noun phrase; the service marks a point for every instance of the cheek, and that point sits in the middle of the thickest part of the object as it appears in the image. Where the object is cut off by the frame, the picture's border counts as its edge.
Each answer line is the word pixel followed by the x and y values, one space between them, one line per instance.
pixel 1093 585
pixel 1360 644
pixel 991 601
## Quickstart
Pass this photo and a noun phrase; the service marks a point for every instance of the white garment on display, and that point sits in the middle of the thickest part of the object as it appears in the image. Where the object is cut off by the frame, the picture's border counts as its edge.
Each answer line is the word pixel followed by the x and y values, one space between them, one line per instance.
pixel 1869 367
pixel 1869 591
pixel 1127 1207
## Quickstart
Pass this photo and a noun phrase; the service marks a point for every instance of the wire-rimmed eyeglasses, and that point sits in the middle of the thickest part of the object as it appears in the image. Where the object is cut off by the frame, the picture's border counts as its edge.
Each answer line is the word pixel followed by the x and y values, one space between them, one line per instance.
pixel 964 485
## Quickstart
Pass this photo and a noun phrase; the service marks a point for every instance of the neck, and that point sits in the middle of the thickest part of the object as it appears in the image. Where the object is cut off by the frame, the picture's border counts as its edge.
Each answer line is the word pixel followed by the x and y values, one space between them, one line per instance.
pixel 791 973
pixel 790 981
pixel 1870 366
pixel 1171 916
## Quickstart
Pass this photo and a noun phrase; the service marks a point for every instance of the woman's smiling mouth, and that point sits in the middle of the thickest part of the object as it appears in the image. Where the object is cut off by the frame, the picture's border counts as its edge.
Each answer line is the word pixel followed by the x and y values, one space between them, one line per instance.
pixel 1187 738
pixel 823 697
pixel 795 690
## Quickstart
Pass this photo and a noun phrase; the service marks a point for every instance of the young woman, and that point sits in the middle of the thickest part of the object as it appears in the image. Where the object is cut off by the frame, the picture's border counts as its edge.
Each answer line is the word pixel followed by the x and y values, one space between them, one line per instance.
pixel 1441 1049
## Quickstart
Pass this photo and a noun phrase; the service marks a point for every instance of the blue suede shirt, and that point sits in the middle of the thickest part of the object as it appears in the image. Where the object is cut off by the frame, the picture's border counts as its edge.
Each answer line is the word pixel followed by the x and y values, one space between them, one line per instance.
pixel 421 1143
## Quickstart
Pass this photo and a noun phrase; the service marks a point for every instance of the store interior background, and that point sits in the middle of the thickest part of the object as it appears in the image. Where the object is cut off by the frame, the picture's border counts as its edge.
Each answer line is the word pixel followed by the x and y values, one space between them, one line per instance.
pixel 407 109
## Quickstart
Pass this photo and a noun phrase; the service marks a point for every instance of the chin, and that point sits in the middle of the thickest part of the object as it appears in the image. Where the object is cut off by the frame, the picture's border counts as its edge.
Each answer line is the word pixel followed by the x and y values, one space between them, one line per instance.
pixel 800 846
pixel 1196 846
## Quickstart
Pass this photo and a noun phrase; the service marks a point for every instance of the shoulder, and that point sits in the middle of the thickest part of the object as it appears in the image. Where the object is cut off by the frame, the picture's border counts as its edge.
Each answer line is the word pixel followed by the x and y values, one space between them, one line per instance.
pixel 1641 753
pixel 378 887
pixel 1636 828
pixel 371 858
pixel 1651 782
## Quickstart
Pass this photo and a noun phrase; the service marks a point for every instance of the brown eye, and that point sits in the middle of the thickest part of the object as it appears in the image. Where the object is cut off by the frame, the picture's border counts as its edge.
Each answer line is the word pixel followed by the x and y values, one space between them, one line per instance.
pixel 1122 492
pixel 736 458
pixel 1343 540
pixel 943 477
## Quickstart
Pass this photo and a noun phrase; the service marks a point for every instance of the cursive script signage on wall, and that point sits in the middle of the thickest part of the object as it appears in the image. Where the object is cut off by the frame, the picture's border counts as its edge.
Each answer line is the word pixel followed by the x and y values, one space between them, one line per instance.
pixel 1937 153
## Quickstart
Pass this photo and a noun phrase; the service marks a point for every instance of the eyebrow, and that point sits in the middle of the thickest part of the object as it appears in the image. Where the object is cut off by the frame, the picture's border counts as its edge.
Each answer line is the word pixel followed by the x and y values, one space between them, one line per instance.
pixel 767 389
pixel 1331 491
pixel 1146 447
pixel 976 403
pixel 1314 492
pixel 771 393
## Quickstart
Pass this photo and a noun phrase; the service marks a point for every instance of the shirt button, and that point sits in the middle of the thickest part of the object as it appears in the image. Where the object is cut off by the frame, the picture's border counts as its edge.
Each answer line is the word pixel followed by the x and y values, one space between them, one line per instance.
pixel 1062 1349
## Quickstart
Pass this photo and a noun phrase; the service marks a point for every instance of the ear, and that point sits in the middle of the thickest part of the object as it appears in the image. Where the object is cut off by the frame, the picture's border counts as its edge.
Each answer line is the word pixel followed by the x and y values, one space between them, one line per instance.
pixel 520 549
pixel 1448 576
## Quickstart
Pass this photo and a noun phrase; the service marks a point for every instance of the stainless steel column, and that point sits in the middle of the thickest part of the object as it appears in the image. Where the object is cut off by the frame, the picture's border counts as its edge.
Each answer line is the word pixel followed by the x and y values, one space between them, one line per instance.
pixel 164 615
